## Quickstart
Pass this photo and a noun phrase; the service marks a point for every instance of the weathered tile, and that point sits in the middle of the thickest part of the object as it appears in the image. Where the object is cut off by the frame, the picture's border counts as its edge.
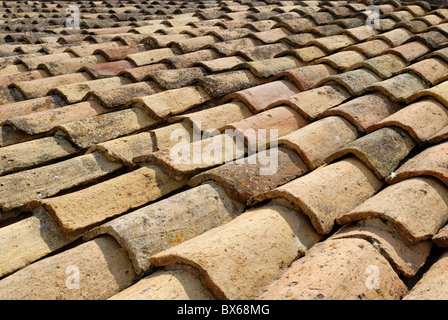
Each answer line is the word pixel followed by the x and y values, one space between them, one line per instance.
pixel 422 120
pixel 370 48
pixel 34 237
pixel 381 150
pixel 186 159
pixel 409 51
pixel 88 131
pixel 139 73
pixel 404 257
pixel 164 104
pixel 68 66
pixel 242 181
pixel 249 235
pixel 18 189
pixel 150 56
pixel 259 98
pixel 432 70
pixel 354 81
pixel 328 192
pixel 222 64
pixel 270 67
pixel 395 37
pixel 319 139
pixel 33 62
pixel 439 92
pixel 181 217
pixel 174 283
pixel 342 60
pixel 263 52
pixel 117 53
pixel 40 87
pixel 187 60
pixel 103 267
pixel 108 69
pixel 432 286
pixel 383 66
pixel 230 47
pixel 267 126
pixel 87 50
pixel 361 33
pixel 307 77
pixel 216 117
pixel 345 273
pixel 25 107
pixel 364 111
pixel 430 161
pixel 221 84
pixel 400 88
pixel 416 206
pixel 119 96
pixel 312 103
pixel 176 78
pixel 108 199
pixel 271 36
pixel 333 43
pixel 76 92
pixel 44 121
pixel 32 153
pixel 307 54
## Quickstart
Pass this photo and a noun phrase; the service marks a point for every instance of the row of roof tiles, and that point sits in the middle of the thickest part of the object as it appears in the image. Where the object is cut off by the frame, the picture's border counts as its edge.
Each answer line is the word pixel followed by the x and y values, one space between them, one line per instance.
pixel 361 116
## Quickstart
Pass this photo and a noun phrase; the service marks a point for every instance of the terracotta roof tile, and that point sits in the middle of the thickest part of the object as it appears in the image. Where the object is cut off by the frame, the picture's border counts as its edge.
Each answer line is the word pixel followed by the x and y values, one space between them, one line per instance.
pixel 440 239
pixel 307 77
pixel 381 150
pixel 259 98
pixel 424 195
pixel 364 111
pixel 422 120
pixel 243 181
pixel 343 261
pixel 119 96
pixel 323 205
pixel 187 60
pixel 107 69
pixel 176 78
pixel 141 228
pixel 48 180
pixel 291 233
pixel 438 92
pixel 88 131
pixel 222 64
pixel 370 48
pixel 404 257
pixel 67 66
pixel 164 104
pixel 312 103
pixel 429 162
pixel 139 73
pixel 319 139
pixel 100 199
pixel 31 89
pixel 93 257
pixel 342 60
pixel 429 288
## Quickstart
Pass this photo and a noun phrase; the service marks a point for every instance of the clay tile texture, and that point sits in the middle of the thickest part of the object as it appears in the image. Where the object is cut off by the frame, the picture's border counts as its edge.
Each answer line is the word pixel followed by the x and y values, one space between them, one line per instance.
pixel 223 150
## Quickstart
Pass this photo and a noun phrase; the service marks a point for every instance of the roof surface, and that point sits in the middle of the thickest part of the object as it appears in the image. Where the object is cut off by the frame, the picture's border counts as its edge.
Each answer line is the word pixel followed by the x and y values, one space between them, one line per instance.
pixel 349 202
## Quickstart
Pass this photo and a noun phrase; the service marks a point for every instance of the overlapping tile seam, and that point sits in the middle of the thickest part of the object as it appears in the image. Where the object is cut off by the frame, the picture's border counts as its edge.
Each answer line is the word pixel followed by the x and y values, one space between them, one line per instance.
pixel 353 76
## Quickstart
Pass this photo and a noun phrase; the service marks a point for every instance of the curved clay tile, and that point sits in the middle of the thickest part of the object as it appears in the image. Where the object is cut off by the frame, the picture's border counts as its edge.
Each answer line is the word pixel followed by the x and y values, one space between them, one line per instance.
pixel 103 257
pixel 416 206
pixel 261 97
pixel 370 48
pixel 404 257
pixel 381 150
pixel 384 66
pixel 354 81
pixel 140 232
pixel 242 181
pixel 328 192
pixel 342 60
pixel 432 286
pixel 432 70
pixel 429 162
pixel 312 103
pixel 345 267
pixel 271 67
pixel 306 77
pixel 236 260
pixel 422 120
pixel 317 140
pixel 364 111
